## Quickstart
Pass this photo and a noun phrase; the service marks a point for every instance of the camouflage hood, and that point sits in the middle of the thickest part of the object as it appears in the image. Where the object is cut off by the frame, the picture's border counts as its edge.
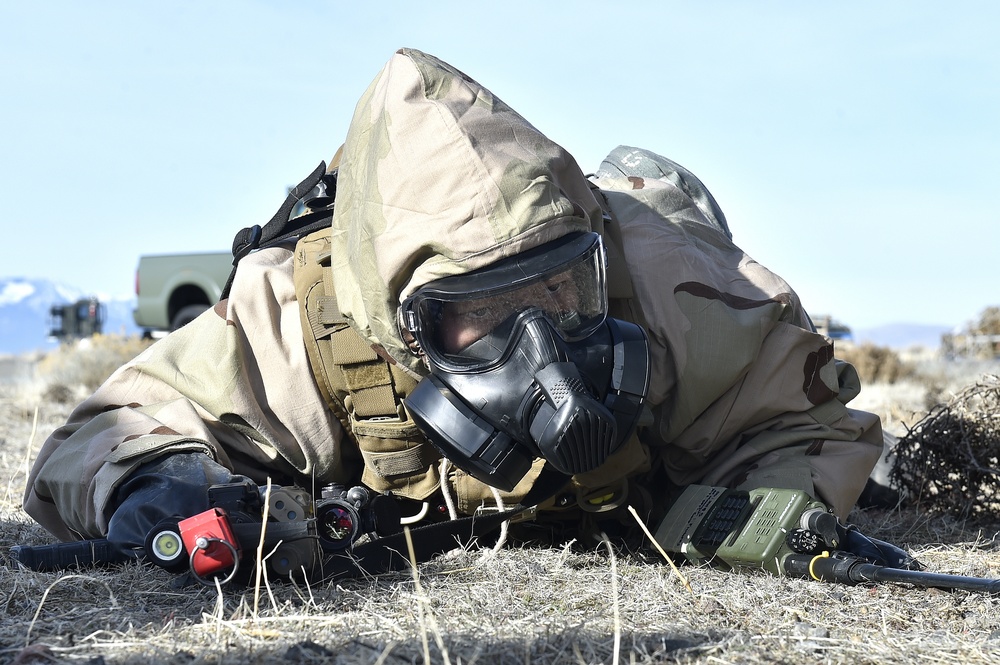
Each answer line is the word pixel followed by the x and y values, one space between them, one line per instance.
pixel 439 177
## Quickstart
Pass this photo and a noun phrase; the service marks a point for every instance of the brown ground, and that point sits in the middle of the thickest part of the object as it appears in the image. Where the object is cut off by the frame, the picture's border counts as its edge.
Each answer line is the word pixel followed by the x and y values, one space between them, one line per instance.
pixel 518 606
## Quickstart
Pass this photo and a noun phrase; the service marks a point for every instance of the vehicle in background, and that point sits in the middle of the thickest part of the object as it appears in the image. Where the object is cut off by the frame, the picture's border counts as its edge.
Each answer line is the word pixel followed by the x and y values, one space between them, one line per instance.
pixel 832 328
pixel 77 320
pixel 173 289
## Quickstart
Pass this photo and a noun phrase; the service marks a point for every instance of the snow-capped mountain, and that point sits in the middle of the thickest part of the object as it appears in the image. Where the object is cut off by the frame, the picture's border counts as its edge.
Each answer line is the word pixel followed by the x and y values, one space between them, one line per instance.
pixel 25 313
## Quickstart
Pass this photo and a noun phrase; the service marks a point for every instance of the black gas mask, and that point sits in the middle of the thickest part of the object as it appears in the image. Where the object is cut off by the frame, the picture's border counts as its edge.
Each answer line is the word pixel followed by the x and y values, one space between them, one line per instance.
pixel 525 363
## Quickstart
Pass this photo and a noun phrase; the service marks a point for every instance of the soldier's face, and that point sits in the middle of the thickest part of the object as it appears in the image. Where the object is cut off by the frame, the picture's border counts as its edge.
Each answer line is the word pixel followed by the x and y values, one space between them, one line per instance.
pixel 464 322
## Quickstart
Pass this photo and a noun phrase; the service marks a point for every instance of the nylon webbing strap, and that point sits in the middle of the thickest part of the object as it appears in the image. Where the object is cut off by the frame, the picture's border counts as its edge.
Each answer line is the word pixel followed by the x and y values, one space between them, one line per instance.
pixel 396 463
pixel 280 228
pixel 324 318
pixel 366 374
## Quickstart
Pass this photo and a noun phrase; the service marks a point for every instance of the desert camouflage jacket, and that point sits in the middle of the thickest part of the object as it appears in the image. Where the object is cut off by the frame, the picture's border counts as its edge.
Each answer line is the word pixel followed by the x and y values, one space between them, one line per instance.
pixel 440 177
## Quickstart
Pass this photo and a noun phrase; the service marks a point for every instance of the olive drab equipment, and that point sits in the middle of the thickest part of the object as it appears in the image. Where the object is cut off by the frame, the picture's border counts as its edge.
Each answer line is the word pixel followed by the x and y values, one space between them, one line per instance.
pixel 365 388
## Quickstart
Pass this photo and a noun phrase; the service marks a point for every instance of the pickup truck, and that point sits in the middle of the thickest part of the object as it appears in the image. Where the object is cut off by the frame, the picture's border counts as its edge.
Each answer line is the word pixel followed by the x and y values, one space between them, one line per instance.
pixel 172 289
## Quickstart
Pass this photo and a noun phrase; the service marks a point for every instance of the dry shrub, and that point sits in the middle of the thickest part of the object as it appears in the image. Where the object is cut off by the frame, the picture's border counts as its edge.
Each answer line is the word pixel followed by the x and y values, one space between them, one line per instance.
pixel 85 364
pixel 948 462
pixel 875 363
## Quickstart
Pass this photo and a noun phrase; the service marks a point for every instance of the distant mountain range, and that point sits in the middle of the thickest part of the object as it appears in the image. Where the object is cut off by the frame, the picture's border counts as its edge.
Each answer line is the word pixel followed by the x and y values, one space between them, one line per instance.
pixel 903 335
pixel 25 319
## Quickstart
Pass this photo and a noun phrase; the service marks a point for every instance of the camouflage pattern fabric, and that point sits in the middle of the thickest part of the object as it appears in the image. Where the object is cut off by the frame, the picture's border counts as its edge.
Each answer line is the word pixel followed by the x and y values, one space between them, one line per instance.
pixel 234 383
pixel 743 393
pixel 439 177
pixel 627 162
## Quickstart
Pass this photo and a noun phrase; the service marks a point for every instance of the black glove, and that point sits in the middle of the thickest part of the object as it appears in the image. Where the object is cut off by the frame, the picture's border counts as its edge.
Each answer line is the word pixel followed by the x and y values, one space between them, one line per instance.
pixel 171 487
pixel 848 538
pixel 877 551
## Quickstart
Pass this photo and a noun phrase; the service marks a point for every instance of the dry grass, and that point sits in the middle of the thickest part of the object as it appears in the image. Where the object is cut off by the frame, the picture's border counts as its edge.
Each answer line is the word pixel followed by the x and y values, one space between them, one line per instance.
pixel 517 606
pixel 76 369
pixel 875 364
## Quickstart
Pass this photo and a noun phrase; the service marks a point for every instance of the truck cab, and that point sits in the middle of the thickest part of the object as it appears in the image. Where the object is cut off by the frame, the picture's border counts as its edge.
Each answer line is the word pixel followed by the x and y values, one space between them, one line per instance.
pixel 173 289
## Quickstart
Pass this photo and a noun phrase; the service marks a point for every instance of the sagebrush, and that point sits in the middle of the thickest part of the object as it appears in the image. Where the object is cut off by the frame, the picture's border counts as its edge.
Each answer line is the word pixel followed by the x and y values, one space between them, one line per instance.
pixel 875 364
pixel 81 366
pixel 949 462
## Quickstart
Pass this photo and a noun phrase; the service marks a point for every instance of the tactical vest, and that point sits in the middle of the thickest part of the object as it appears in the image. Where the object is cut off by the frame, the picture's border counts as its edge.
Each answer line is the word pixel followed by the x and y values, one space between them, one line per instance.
pixel 365 389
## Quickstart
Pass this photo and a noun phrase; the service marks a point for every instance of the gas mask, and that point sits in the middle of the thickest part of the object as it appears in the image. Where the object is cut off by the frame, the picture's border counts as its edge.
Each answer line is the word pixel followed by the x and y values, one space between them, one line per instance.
pixel 525 363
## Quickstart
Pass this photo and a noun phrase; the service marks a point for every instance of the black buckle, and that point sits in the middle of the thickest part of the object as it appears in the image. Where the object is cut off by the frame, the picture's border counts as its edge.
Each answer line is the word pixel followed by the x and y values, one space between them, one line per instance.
pixel 247 241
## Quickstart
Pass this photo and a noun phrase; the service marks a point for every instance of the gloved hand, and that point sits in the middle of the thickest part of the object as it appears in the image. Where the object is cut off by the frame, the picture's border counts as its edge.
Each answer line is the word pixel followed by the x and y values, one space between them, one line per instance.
pixel 876 551
pixel 836 535
pixel 848 538
pixel 171 487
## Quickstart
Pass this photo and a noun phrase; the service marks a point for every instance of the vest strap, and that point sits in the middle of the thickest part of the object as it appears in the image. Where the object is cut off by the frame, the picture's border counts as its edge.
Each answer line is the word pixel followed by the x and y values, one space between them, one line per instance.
pixel 364 390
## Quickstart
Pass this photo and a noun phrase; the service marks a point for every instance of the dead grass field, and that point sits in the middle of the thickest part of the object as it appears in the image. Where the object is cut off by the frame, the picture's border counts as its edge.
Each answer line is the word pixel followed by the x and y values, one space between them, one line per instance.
pixel 515 606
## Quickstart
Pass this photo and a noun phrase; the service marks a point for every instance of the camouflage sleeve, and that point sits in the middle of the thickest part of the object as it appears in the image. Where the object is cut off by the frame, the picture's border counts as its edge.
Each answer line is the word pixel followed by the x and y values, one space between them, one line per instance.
pixel 827 451
pixel 743 391
pixel 80 465
pixel 234 384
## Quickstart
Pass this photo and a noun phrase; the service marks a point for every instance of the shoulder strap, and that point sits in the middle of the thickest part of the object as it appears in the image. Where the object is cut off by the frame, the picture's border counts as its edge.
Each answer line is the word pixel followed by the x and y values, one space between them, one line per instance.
pixel 322 184
pixel 362 387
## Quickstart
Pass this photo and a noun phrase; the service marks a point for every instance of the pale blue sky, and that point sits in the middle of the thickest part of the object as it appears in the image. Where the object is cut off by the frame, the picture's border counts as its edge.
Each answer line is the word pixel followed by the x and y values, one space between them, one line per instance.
pixel 850 144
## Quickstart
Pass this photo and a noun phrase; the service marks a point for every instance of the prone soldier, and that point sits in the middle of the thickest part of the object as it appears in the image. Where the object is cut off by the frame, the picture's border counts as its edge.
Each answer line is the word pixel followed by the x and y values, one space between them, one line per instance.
pixel 460 318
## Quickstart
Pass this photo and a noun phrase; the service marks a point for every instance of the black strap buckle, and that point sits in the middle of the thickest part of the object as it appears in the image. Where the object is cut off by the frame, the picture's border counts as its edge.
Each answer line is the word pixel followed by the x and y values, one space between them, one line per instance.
pixel 246 241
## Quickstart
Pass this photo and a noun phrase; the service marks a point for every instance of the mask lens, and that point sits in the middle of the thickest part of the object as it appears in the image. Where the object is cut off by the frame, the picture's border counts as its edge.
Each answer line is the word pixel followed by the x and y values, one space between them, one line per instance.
pixel 472 327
